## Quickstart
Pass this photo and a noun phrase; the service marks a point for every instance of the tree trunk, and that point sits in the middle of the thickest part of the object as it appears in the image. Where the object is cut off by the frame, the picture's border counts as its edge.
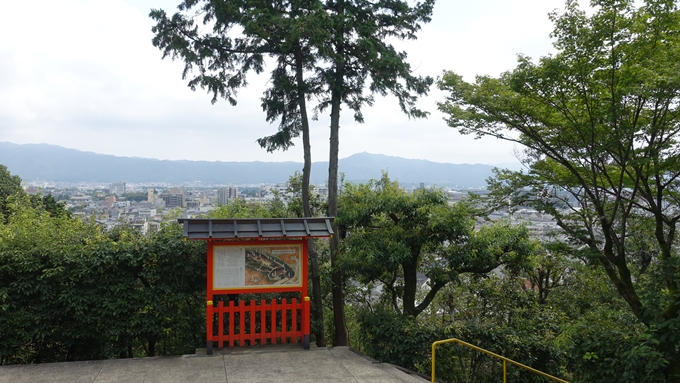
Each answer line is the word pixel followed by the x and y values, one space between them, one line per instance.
pixel 317 305
pixel 410 268
pixel 340 338
pixel 152 348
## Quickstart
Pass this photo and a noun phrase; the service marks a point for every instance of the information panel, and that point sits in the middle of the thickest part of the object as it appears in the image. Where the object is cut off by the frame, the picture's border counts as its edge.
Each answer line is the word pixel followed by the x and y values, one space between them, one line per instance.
pixel 257 266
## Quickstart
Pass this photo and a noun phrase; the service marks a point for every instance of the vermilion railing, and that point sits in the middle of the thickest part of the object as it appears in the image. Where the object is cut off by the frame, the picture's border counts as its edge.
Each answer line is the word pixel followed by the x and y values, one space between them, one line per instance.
pixel 258 322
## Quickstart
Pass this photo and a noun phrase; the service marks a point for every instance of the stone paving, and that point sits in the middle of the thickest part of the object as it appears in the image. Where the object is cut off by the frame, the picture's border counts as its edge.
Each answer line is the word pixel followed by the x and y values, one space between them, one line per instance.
pixel 283 363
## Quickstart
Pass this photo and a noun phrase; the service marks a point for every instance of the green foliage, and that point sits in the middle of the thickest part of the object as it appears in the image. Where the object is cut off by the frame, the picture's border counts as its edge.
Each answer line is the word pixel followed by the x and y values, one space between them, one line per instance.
pixel 599 121
pixel 360 53
pixel 283 30
pixel 389 235
pixel 69 291
pixel 293 198
pixel 337 46
pixel 579 331
pixel 398 339
pixel 494 313
pixel 499 313
pixel 602 347
pixel 50 205
pixel 10 185
pixel 249 209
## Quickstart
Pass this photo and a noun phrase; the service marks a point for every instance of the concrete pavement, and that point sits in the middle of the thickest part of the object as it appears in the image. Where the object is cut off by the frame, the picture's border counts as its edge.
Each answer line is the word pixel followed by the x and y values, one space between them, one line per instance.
pixel 281 363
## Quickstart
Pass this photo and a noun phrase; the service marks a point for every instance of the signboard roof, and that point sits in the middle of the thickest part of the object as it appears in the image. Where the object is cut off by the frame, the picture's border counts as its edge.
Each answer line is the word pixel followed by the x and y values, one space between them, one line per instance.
pixel 257 228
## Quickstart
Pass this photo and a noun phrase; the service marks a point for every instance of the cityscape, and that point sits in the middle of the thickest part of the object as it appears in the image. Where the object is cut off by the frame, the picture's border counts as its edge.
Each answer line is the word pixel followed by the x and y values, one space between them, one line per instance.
pixel 146 207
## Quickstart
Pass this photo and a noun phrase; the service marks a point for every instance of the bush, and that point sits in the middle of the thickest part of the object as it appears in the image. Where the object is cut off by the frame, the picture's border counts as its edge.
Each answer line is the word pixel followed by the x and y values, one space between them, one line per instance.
pixel 397 339
pixel 69 291
pixel 602 348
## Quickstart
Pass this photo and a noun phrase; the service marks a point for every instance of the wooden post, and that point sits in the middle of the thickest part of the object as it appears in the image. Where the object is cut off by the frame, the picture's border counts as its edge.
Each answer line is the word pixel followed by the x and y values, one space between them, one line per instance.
pixel 209 303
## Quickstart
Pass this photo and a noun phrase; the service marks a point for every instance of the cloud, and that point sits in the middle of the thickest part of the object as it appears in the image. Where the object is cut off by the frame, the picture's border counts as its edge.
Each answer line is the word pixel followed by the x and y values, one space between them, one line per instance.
pixel 83 74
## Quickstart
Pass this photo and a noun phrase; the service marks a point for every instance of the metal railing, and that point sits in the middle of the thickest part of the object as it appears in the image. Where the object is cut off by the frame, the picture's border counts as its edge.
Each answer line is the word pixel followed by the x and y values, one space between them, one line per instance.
pixel 504 359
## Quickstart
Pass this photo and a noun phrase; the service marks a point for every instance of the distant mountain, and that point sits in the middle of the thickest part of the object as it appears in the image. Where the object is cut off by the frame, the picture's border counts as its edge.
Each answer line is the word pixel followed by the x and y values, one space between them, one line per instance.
pixel 42 162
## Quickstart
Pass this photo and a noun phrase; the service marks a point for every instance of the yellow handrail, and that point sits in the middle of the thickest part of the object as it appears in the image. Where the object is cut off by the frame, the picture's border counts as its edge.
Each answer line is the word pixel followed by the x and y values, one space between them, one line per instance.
pixel 504 359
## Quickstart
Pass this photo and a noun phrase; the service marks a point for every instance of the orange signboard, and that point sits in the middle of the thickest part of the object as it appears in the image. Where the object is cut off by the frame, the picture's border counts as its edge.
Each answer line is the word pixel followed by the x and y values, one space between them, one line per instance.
pixel 257 256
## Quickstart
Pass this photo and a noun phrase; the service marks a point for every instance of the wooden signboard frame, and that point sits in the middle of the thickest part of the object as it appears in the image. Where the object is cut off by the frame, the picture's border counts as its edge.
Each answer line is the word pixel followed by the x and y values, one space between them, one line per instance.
pixel 255 256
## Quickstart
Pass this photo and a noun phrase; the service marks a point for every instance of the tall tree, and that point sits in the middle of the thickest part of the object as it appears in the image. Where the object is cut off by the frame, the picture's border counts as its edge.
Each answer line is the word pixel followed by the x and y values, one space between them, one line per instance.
pixel 358 51
pixel 343 42
pixel 283 30
pixel 600 121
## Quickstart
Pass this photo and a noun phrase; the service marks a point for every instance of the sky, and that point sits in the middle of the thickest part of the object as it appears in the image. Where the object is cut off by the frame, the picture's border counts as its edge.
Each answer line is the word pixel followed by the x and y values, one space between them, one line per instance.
pixel 83 74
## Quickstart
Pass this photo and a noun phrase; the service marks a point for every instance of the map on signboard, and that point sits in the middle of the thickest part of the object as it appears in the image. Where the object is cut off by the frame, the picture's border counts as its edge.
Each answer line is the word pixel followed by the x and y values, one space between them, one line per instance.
pixel 257 266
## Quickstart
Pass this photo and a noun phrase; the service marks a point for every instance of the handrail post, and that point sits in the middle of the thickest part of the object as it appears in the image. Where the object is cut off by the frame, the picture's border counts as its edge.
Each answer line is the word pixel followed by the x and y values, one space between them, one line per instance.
pixel 433 359
pixel 505 376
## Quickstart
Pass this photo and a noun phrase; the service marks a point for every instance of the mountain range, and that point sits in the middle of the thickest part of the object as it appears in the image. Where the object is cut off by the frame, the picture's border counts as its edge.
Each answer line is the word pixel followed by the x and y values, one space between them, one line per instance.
pixel 43 162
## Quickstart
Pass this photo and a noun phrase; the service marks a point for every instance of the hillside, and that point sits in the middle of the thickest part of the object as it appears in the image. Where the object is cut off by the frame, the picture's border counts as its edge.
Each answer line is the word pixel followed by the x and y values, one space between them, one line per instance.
pixel 33 162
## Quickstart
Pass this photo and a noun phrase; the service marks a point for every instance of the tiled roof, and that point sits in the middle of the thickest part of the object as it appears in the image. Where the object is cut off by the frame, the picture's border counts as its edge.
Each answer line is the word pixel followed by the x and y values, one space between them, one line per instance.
pixel 257 228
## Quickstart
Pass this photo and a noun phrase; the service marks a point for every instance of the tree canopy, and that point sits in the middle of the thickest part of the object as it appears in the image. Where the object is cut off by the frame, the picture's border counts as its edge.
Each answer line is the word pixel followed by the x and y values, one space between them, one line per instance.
pixel 390 235
pixel 9 185
pixel 600 122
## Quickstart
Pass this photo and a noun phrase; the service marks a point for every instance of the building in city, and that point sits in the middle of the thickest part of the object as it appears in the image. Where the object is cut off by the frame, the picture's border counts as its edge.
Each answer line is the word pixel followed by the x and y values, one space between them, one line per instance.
pixel 117 188
pixel 224 195
pixel 173 200
pixel 110 201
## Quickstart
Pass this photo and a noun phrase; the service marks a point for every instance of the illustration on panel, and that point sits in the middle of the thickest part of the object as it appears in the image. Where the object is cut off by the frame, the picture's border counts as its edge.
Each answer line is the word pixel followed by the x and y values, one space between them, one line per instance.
pixel 257 266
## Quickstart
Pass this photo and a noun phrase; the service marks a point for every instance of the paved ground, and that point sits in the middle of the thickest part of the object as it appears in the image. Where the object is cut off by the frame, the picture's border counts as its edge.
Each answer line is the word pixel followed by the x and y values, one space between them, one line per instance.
pixel 288 363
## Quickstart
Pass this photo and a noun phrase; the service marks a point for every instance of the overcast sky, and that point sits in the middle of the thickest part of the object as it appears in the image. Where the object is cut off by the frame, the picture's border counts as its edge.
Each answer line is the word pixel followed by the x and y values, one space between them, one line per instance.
pixel 83 74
